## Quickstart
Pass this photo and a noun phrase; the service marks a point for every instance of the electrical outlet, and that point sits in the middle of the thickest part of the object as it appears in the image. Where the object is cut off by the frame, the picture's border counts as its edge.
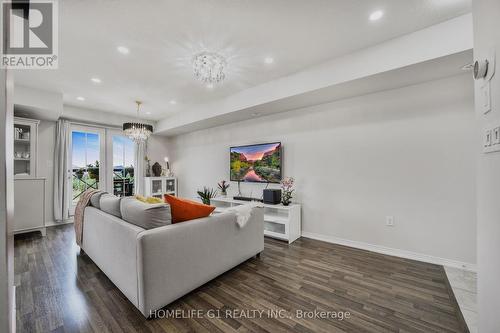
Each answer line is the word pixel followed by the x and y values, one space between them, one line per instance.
pixel 389 221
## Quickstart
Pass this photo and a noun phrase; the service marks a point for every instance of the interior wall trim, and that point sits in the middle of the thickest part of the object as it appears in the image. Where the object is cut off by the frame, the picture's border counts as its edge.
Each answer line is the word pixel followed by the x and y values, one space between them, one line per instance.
pixel 392 251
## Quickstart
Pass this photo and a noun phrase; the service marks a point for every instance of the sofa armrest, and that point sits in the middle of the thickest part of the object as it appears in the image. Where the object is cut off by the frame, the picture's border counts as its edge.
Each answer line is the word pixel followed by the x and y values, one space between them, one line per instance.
pixel 112 245
pixel 175 259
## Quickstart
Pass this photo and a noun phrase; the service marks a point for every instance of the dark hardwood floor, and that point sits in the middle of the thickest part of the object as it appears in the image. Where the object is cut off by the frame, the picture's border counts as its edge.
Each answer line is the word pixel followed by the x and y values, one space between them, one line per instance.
pixel 59 290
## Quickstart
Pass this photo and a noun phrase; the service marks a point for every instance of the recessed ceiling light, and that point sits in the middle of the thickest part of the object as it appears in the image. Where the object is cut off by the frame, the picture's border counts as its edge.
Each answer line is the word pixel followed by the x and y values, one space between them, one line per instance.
pixel 123 50
pixel 173 102
pixel 80 98
pixel 269 60
pixel 96 80
pixel 148 112
pixel 210 86
pixel 376 15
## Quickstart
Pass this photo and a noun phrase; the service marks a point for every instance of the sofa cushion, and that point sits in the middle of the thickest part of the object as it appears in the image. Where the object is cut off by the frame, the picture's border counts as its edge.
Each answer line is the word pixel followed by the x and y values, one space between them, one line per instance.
pixel 145 215
pixel 150 200
pixel 110 204
pixel 96 198
pixel 185 210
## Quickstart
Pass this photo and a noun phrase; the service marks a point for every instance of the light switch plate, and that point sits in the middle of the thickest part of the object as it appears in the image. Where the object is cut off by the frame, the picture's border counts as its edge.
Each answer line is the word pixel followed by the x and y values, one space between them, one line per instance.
pixel 389 221
pixel 495 136
pixel 491 138
pixel 487 138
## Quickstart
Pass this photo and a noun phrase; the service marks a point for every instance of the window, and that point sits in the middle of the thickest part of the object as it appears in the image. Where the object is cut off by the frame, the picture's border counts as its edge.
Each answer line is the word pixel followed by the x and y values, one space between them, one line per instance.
pixel 86 158
pixel 101 159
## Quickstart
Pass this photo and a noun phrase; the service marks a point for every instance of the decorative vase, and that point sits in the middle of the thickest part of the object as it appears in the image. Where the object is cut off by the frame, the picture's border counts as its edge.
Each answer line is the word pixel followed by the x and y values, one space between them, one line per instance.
pixel 157 169
pixel 223 193
pixel 206 201
pixel 286 203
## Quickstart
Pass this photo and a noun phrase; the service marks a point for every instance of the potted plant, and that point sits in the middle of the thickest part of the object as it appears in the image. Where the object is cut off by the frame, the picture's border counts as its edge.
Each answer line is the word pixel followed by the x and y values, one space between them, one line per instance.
pixel 223 186
pixel 287 190
pixel 207 194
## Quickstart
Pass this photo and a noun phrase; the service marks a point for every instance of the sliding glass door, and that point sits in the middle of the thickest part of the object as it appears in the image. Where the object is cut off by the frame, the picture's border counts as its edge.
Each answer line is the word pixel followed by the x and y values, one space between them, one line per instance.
pixel 87 158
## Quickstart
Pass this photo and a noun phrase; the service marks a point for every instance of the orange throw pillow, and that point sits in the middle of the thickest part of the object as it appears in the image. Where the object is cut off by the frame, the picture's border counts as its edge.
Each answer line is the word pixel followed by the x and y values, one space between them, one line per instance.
pixel 185 210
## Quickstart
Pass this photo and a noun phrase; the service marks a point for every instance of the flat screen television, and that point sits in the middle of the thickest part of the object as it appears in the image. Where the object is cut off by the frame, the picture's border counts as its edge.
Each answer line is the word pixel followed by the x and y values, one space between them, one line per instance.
pixel 259 163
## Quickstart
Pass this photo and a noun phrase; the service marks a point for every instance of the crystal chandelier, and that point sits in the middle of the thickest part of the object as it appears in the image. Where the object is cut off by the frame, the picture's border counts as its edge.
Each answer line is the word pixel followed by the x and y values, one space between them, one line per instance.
pixel 208 67
pixel 139 132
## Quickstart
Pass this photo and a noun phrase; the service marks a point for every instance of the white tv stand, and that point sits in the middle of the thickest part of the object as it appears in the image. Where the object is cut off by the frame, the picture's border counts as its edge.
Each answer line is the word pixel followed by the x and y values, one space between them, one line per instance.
pixel 281 222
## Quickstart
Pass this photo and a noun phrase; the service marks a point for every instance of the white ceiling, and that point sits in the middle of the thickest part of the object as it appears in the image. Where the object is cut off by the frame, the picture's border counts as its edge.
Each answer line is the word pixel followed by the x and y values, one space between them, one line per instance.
pixel 164 35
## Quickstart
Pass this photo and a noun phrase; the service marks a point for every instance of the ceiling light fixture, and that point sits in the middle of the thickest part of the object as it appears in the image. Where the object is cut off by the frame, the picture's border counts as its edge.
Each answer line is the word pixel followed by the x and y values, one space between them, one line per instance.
pixel 123 50
pixel 376 15
pixel 269 60
pixel 208 67
pixel 96 80
pixel 139 132
pixel 80 98
pixel 173 102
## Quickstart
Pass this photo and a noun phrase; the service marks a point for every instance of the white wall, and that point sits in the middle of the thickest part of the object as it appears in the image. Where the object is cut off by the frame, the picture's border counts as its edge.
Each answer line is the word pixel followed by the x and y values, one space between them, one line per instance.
pixel 407 152
pixel 157 149
pixel 38 103
pixel 93 116
pixel 486 35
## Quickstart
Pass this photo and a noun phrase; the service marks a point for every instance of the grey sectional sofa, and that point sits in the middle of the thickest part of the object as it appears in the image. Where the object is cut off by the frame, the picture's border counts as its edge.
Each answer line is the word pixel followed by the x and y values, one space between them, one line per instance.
pixel 155 267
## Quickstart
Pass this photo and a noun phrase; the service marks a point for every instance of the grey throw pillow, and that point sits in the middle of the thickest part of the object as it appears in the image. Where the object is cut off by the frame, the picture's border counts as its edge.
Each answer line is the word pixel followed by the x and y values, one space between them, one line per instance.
pixel 145 215
pixel 110 204
pixel 96 198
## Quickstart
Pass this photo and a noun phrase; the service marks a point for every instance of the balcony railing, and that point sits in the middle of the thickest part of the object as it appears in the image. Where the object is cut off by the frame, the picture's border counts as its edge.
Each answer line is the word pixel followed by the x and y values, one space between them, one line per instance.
pixel 88 178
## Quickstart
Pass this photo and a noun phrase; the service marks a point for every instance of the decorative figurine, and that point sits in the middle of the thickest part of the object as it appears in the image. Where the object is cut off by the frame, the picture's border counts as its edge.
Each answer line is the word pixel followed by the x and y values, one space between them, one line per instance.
pixel 157 169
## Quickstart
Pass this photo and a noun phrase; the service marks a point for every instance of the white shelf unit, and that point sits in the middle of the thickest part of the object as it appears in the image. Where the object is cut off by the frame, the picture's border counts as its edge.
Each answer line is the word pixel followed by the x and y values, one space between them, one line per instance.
pixel 158 186
pixel 25 147
pixel 281 222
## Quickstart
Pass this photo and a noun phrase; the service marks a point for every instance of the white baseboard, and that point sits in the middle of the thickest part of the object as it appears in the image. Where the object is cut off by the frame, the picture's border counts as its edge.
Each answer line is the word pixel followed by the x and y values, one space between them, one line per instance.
pixel 54 223
pixel 391 251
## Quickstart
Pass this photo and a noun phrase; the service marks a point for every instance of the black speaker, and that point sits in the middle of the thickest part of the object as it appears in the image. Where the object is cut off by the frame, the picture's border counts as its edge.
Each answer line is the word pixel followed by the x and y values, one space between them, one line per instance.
pixel 272 197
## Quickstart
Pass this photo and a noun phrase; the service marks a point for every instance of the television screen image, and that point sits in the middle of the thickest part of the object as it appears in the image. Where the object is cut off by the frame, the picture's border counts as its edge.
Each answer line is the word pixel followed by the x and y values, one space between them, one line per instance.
pixel 259 163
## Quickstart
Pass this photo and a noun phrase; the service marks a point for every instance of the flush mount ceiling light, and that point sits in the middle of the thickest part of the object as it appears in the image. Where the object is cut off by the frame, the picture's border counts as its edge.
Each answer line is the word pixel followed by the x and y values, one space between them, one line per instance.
pixel 208 67
pixel 96 80
pixel 80 98
pixel 139 132
pixel 376 15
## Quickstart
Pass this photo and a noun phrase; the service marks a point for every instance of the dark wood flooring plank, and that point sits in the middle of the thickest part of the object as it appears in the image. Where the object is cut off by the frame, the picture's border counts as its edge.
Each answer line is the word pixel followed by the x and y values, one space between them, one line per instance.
pixel 60 290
